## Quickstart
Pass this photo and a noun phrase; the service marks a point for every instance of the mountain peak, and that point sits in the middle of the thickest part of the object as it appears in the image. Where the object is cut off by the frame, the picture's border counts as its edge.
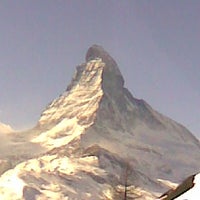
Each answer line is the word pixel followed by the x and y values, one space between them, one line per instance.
pixel 97 51
pixel 111 73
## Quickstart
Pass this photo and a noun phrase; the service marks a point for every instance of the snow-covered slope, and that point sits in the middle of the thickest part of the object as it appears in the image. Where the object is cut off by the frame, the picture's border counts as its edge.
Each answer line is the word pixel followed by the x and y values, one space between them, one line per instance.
pixel 99 142
pixel 4 128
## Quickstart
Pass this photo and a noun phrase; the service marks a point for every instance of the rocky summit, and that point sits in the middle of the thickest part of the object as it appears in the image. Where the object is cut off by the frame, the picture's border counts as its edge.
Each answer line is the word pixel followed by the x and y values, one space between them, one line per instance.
pixel 98 142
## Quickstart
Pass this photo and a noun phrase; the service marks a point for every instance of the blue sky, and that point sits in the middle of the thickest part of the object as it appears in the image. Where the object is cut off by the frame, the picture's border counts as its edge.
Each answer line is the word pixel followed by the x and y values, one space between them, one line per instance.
pixel 155 43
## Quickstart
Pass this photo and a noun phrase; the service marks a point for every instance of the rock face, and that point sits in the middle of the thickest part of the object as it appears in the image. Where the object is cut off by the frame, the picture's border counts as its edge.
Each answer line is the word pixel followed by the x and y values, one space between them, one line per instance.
pixel 188 189
pixel 99 142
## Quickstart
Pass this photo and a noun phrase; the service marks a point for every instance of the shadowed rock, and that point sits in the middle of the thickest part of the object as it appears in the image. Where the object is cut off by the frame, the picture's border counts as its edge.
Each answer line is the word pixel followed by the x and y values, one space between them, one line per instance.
pixel 4 166
pixel 30 193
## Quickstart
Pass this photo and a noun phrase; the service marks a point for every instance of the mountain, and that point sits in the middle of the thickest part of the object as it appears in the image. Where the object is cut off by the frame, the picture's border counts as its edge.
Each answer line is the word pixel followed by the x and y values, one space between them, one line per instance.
pixel 97 141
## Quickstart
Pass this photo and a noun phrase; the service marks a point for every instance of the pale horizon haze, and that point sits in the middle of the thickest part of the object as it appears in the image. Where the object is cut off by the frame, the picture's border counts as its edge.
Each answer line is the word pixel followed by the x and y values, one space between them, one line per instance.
pixel 155 43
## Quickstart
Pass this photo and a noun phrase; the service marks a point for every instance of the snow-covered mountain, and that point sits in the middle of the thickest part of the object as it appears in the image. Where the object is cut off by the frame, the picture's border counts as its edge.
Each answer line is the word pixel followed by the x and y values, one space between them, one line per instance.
pixel 4 128
pixel 97 141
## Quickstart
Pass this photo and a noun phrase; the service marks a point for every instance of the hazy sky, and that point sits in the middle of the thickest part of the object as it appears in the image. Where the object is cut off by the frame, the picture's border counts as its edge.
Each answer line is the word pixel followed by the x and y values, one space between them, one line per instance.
pixel 155 43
